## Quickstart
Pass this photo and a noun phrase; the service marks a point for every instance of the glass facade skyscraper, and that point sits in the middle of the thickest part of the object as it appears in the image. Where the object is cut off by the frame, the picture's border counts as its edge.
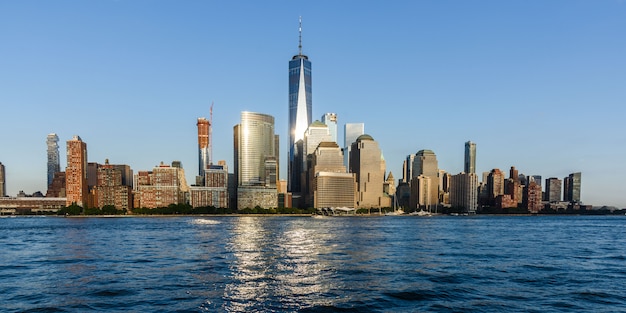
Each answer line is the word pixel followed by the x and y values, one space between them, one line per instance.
pixel 572 187
pixel 254 149
pixel 54 163
pixel 470 157
pixel 351 131
pixel 300 107
pixel 330 119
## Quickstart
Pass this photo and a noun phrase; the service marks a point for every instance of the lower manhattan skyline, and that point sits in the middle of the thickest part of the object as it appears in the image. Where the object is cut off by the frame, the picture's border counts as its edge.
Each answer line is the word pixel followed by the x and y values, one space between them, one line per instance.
pixel 536 85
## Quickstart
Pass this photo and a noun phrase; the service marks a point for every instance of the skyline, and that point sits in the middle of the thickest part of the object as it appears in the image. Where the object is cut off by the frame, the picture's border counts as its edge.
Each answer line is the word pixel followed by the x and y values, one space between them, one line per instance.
pixel 535 85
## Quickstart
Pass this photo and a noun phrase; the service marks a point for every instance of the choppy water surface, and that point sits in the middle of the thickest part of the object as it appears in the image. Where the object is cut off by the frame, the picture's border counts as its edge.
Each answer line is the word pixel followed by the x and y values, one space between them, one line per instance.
pixel 304 264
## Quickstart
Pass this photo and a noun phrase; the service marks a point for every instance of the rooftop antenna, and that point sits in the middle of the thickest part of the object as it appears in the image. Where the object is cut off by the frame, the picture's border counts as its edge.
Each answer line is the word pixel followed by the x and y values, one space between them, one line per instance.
pixel 300 37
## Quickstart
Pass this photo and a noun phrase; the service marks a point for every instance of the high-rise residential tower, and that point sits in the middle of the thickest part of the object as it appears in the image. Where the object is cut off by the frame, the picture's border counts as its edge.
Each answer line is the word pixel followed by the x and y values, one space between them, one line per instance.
pixel 300 107
pixel 162 186
pixel 495 185
pixel 3 188
pixel 330 119
pixel 470 158
pixel 464 191
pixel 204 152
pixel 54 163
pixel 76 190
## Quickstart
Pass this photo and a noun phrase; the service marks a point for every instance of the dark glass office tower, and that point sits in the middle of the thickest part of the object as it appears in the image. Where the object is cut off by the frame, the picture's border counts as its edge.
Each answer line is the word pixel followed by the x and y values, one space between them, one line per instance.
pixel 470 158
pixel 300 104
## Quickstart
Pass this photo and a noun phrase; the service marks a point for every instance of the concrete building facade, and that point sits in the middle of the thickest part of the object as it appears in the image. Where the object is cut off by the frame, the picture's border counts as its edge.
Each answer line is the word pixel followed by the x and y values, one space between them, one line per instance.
pixel 495 185
pixel 464 191
pixel 109 189
pixel 425 164
pixel 163 186
pixel 366 163
pixel 215 191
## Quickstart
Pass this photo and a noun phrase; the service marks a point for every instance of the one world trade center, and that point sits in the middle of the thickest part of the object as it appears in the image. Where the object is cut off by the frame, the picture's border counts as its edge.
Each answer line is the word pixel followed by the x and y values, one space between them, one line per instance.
pixel 300 104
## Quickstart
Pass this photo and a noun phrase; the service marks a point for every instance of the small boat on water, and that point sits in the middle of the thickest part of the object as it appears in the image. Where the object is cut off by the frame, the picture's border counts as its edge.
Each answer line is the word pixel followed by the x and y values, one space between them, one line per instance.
pixel 420 213
pixel 395 213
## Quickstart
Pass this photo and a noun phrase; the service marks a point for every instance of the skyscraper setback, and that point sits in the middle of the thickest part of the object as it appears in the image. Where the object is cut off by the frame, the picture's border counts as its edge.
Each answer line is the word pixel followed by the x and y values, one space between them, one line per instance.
pixel 300 107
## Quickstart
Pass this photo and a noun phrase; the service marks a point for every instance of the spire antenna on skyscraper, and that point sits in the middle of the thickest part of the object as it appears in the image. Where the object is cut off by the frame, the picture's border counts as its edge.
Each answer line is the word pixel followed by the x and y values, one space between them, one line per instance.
pixel 300 36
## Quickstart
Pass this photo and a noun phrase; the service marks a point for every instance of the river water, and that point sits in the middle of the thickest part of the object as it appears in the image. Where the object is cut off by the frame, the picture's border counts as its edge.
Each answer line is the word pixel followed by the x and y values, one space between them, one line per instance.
pixel 305 264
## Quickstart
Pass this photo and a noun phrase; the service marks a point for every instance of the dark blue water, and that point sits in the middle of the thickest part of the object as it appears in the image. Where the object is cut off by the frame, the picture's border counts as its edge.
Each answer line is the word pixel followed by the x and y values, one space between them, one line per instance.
pixel 304 264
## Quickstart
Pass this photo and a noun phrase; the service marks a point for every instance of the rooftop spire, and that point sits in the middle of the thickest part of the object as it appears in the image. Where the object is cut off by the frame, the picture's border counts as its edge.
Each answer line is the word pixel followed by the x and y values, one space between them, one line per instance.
pixel 300 36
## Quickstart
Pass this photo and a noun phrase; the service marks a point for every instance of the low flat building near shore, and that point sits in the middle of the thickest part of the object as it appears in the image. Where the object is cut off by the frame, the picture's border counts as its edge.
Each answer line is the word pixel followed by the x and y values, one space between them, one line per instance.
pixel 30 205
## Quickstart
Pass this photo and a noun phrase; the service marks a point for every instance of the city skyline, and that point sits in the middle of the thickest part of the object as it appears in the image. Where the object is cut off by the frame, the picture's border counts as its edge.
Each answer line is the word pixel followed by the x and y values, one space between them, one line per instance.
pixel 534 85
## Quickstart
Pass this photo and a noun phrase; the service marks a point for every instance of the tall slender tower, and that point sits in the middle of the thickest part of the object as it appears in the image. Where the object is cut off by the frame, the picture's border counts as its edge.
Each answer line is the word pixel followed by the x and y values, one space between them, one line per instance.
pixel 76 172
pixel 300 106
pixel 3 188
pixel 470 158
pixel 204 153
pixel 54 163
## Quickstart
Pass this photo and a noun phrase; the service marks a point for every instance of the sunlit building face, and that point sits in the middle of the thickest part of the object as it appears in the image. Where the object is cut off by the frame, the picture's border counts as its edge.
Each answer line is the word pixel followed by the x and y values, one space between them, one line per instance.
pixel 254 144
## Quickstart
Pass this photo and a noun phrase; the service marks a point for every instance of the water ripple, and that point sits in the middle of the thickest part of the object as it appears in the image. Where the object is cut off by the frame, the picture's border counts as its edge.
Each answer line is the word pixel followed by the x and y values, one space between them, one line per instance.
pixel 300 264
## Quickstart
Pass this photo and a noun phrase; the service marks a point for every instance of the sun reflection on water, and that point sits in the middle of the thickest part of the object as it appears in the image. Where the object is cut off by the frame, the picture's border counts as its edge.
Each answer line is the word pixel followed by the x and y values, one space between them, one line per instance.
pixel 277 269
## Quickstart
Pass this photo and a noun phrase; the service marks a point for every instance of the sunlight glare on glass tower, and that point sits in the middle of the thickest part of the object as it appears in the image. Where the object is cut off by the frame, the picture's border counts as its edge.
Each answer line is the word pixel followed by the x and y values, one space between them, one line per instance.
pixel 300 106
pixel 254 140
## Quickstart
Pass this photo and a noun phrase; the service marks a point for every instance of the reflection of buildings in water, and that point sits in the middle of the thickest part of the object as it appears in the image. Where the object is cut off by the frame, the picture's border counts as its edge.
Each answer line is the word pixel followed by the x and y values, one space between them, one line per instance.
pixel 76 246
pixel 277 259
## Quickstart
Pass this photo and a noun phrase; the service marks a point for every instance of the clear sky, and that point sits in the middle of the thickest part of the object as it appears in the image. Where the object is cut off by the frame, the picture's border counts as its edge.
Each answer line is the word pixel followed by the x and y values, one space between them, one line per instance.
pixel 540 85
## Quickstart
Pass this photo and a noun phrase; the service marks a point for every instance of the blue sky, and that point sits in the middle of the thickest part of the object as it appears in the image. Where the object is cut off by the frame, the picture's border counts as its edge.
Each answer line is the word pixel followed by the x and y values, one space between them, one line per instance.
pixel 540 85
